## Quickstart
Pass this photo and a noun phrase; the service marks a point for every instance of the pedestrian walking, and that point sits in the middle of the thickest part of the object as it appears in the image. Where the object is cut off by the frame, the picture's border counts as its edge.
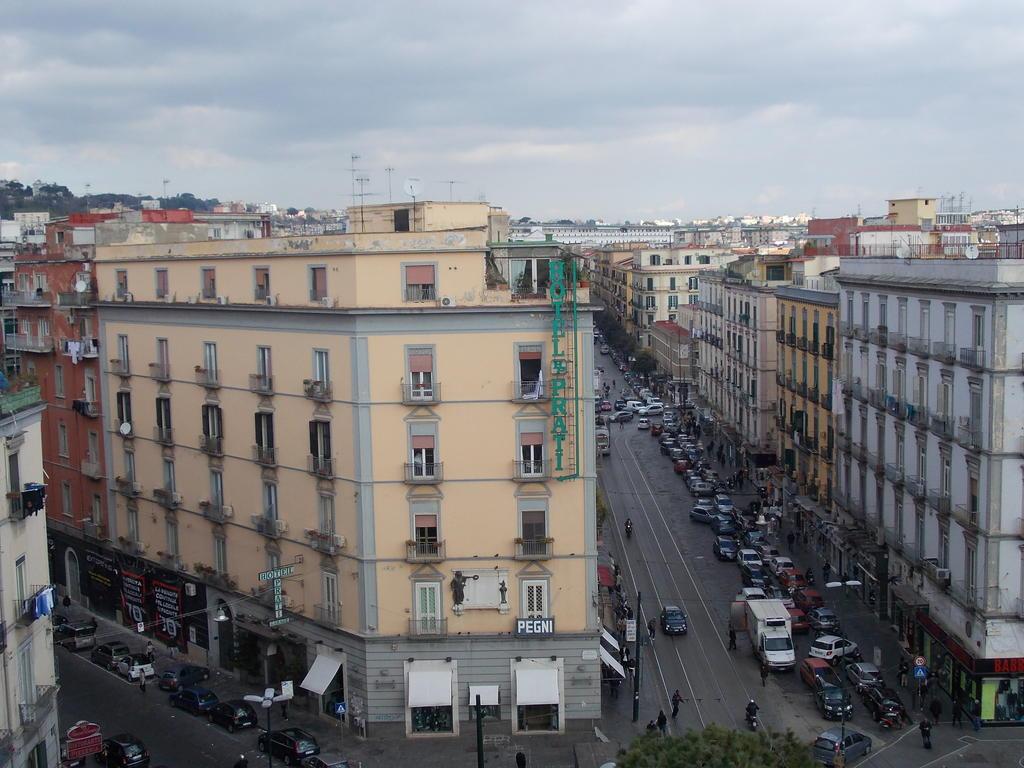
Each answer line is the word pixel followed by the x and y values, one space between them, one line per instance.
pixel 764 674
pixel 976 715
pixel 732 638
pixel 662 722
pixel 142 683
pixel 958 713
pixel 149 652
pixel 936 709
pixel 284 709
pixel 790 538
pixel 677 699
pixel 904 672
pixel 621 423
pixel 926 733
pixel 651 625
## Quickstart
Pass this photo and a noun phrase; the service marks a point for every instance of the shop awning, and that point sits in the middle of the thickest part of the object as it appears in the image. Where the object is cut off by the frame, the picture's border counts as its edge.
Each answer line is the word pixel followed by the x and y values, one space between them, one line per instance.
pixel 430 687
pixel 608 639
pixel 610 661
pixel 536 686
pixel 605 576
pixel 905 594
pixel 321 674
pixel 488 695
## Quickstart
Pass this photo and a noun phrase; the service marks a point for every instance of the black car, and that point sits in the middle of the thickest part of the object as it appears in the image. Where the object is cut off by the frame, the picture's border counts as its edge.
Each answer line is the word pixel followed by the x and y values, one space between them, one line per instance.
pixel 180 676
pixel 232 714
pixel 667 444
pixel 753 576
pixel 620 405
pixel 198 701
pixel 723 526
pixel 833 702
pixel 724 548
pixel 123 751
pixel 291 744
pixel 673 620
pixel 880 701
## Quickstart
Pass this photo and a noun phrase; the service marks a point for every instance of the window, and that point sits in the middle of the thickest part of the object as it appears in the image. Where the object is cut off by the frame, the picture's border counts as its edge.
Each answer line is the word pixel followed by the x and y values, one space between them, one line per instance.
pixel 26 673
pixel 534 525
pixel 419 283
pixel 425 527
pixel 329 593
pixel 129 466
pixel 317 283
pixel 531 452
pixel 270 500
pixel 535 598
pixel 865 311
pixel 421 374
pixel 926 321
pixel 922 460
pixel 264 369
pixel 121 281
pixel 320 447
pixel 97 509
pixel 671 283
pixel 264 436
pixel 901 316
pixel 261 283
pixel 163 354
pixel 943 553
pixel 325 513
pixel 919 530
pixel 321 366
pixel 58 380
pixel 530 384
pixel 161 284
pixel 423 456
pixel 650 284
pixel 216 488
pixel 946 477
pixel 62 439
pixel 90 387
pixel 65 498
pixel 44 327
pixel 883 311
pixel 401 220
pixel 213 424
pixel 973 499
pixel 220 554
pixel 209 282
pixel 163 415
pixel 970 566
pixel 650 302
pixel 978 329
pixel 94 447
pixel 122 352
pixel 900 461
pixel 133 525
pixel 949 324
pixel 210 358
pixel 427 608
pixel 170 482
pixel 673 302
pixel 171 531
pixel 273 560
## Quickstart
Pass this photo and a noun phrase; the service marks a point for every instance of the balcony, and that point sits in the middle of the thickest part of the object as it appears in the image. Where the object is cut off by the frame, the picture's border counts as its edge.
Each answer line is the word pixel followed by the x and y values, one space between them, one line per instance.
pixel 526 471
pixel 898 341
pixel 919 346
pixel 529 391
pixel 163 435
pixel 843 442
pixel 37 298
pixel 791 339
pixel 90 467
pixel 75 299
pixel 424 551
pixel 261 383
pixel 321 466
pixel 428 627
pixel 801 389
pixel 327 615
pixel 780 378
pixel 424 473
pixel 801 343
pixel 828 350
pixel 826 400
pixel 876 397
pixel 915 486
pixel 318 390
pixel 211 444
pixel 780 336
pixel 417 393
pixel 938 501
pixel 327 542
pixel 917 415
pixel 89 408
pixel 813 346
pixel 271 527
pixel 126 486
pixel 120 367
pixel 790 382
pixel 942 425
pixel 87 348
pixel 93 530
pixel 973 357
pixel 807 443
pixel 894 474
pixel 23 342
pixel 895 406
pixel 879 336
pixel 208 377
pixel 167 498
pixel 744 318
pixel 860 332
pixel 943 352
pixel 967 517
pixel 846 328
pixel 160 371
pixel 967 595
pixel 216 512
pixel 25 608
pixel 969 434
pixel 265 455
pixel 534 549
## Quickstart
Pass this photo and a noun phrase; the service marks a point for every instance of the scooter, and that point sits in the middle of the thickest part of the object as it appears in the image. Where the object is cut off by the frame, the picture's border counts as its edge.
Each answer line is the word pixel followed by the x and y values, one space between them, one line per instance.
pixel 809 577
pixel 752 722
pixel 629 530
pixel 890 719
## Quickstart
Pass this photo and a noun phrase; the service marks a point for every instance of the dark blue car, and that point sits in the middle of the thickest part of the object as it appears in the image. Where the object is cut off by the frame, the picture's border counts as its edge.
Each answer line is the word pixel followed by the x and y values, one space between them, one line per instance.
pixel 724 548
pixel 198 701
pixel 723 526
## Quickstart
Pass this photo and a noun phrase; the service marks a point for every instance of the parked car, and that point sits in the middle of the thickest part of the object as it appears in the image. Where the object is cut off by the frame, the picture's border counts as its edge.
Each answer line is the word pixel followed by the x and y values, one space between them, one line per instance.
pixel 605 349
pixel 724 548
pixel 328 761
pixel 806 599
pixel 666 444
pixel 782 594
pixel 123 751
pixel 620 405
pixel 852 744
pixel 748 557
pixel 232 714
pixel 198 701
pixel 656 429
pixel 751 593
pixel 724 504
pixel 673 620
pixel 622 416
pixel 753 576
pixel 76 635
pixel 778 563
pixel 135 666
pixel 702 514
pixel 798 621
pixel 791 578
pixel 680 466
pixel 676 454
pixel 723 526
pixel 881 700
pixel 182 675
pixel 656 409
pixel 863 675
pixel 108 655
pixel 752 538
pixel 767 552
pixel 823 620
pixel 833 701
pixel 812 669
pixel 605 407
pixel 700 488
pixel 643 424
pixel 289 744
pixel 833 648
pixel 634 405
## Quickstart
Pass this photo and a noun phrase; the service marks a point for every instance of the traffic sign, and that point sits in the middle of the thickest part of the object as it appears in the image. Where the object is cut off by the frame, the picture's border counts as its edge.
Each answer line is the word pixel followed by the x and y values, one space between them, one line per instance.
pixel 631 630
pixel 920 673
pixel 920 661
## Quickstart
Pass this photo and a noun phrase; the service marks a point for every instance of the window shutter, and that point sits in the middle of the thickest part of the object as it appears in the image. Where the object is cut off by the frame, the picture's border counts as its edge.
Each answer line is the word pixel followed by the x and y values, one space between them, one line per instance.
pixel 269 421
pixel 312 439
pixel 420 275
pixel 529 354
pixel 421 363
pixel 420 442
pixel 531 438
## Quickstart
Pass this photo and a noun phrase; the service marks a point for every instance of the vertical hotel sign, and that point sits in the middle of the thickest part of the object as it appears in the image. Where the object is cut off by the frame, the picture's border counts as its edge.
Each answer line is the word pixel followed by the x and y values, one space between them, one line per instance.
pixel 559 363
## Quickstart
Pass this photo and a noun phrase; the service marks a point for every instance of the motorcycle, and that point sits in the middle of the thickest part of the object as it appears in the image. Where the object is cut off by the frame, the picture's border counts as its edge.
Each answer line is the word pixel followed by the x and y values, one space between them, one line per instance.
pixel 752 721
pixel 891 719
pixel 809 577
pixel 629 530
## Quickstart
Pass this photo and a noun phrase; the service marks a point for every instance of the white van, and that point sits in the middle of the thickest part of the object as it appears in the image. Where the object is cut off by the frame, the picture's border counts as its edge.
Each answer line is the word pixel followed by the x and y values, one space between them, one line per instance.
pixel 634 405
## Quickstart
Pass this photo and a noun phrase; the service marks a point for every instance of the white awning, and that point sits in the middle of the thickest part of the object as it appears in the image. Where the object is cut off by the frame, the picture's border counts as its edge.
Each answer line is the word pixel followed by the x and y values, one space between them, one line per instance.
pixel 430 687
pixel 608 639
pixel 612 662
pixel 536 686
pixel 321 674
pixel 488 695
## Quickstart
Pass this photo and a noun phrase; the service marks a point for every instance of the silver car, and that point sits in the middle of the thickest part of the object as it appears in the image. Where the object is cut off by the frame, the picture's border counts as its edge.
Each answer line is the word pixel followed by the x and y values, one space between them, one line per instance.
pixel 853 745
pixel 864 675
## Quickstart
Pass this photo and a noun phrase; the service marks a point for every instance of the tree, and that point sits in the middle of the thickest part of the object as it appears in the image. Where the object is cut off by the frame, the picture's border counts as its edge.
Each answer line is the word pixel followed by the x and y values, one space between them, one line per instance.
pixel 645 362
pixel 293 211
pixel 718 747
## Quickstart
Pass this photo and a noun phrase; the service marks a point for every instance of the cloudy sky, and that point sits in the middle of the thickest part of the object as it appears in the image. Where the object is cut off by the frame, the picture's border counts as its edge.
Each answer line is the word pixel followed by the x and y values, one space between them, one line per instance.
pixel 567 108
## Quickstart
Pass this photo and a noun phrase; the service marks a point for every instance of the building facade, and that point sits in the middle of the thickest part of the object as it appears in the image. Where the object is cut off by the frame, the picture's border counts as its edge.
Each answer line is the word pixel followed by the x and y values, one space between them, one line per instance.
pixel 594 234
pixel 675 352
pixel 378 421
pixel 930 461
pixel 28 719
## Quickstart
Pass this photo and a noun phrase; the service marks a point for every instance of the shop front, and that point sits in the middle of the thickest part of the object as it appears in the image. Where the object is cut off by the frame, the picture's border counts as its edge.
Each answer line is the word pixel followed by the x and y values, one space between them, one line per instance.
pixel 326 681
pixel 538 694
pixel 992 688
pixel 430 687
pixel 85 573
pixel 904 605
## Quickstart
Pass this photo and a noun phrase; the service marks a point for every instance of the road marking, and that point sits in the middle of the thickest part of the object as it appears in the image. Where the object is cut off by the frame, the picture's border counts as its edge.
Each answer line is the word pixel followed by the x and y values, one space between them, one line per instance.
pixel 110 672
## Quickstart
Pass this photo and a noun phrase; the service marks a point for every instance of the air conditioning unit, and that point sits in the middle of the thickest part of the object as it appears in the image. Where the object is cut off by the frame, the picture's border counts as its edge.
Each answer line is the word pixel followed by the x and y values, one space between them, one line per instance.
pixel 228 511
pixel 943 575
pixel 272 300
pixel 327 301
pixel 447 301
pixel 222 299
pixel 281 526
pixel 190 589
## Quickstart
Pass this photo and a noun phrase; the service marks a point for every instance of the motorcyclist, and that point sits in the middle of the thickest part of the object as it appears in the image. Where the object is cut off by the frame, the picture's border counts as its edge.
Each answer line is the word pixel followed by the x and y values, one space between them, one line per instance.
pixel 629 527
pixel 242 762
pixel 809 575
pixel 751 710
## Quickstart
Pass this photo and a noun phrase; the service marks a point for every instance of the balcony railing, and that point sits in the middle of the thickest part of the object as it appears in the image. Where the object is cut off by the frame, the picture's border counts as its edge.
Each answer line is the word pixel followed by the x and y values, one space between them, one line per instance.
pixel 826 400
pixel 265 455
pixel 898 341
pixel 163 435
pixel 828 350
pixel 526 391
pixel 534 549
pixel 942 425
pixel 813 346
pixel 318 390
pixel 414 393
pixel 966 594
pixel 894 406
pixel 424 473
pixel 216 512
pixel 39 298
pixel 536 469
pixel 938 501
pixel 966 517
pixel 90 467
pixel 879 336
pixel 321 466
pixel 801 388
pixel 261 384
pixel 87 347
pixel 327 615
pixel 917 415
pixel 328 542
pixel 780 336
pixel 23 342
pixel 860 332
pixel 424 551
pixel 944 352
pixel 791 339
pixel 167 498
pixel 876 397
pixel 420 293
pixel 919 346
pixel 75 299
pixel 127 486
pixel 89 408
pixel 120 367
pixel 845 328
pixel 894 474
pixel 211 444
pixel 160 371
pixel 858 391
pixel 208 377
pixel 428 627
pixel 271 527
pixel 915 486
pixel 801 343
pixel 973 357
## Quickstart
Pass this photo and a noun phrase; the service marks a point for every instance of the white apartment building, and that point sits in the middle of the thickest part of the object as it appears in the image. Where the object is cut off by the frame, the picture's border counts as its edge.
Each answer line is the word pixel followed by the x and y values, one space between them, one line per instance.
pixel 931 463
pixel 28 717
pixel 593 234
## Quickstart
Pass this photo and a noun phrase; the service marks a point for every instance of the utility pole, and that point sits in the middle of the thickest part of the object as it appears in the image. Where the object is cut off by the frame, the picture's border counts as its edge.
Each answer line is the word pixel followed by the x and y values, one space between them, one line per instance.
pixel 166 182
pixel 389 170
pixel 479 733
pixel 636 660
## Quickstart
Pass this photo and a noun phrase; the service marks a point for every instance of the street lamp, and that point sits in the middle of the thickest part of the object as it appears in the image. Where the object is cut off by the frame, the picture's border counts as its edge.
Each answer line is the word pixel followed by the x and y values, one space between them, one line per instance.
pixel 267 701
pixel 842 636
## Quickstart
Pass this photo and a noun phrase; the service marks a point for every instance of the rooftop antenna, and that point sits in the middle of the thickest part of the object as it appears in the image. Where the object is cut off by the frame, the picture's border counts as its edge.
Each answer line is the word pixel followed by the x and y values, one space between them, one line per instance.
pixel 362 181
pixel 353 170
pixel 88 186
pixel 166 182
pixel 389 170
pixel 451 187
pixel 413 187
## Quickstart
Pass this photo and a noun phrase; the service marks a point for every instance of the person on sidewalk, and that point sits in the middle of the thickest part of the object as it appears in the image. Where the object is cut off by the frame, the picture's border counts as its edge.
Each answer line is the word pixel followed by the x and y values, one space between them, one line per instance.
pixel 958 713
pixel 662 722
pixel 732 638
pixel 149 651
pixel 904 672
pixel 936 709
pixel 926 733
pixel 142 683
pixel 764 674
pixel 677 699
pixel 975 715
pixel 790 539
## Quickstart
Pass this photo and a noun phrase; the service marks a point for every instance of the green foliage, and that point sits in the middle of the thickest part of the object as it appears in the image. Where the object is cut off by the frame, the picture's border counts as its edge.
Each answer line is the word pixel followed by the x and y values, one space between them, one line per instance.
pixel 718 747
pixel 614 333
pixel 645 362
pixel 58 200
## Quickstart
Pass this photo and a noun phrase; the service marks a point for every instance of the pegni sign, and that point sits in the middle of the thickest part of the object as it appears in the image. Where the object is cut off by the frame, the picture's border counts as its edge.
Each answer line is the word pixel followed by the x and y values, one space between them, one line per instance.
pixel 559 367
pixel 535 627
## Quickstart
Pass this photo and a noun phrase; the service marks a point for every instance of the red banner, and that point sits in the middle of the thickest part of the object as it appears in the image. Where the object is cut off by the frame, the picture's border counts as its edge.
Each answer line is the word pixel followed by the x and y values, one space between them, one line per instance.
pixel 167 601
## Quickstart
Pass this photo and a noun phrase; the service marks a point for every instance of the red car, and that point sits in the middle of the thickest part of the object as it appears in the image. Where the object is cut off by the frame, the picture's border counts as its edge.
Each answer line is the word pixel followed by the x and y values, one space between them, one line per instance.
pixel 681 466
pixel 798 621
pixel 656 429
pixel 805 599
pixel 791 579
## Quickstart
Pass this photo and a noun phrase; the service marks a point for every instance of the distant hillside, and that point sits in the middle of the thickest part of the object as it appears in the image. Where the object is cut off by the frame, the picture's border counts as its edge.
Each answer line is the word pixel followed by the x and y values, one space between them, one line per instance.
pixel 59 201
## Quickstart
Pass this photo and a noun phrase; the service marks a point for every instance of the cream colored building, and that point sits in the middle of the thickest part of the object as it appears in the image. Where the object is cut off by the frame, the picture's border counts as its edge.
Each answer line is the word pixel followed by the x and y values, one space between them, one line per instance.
pixel 28 717
pixel 402 416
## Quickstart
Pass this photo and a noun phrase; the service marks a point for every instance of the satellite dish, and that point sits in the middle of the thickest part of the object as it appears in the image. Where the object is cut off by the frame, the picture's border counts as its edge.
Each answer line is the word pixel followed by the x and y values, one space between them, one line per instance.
pixel 80 286
pixel 413 186
pixel 125 428
pixel 971 252
pixel 902 252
